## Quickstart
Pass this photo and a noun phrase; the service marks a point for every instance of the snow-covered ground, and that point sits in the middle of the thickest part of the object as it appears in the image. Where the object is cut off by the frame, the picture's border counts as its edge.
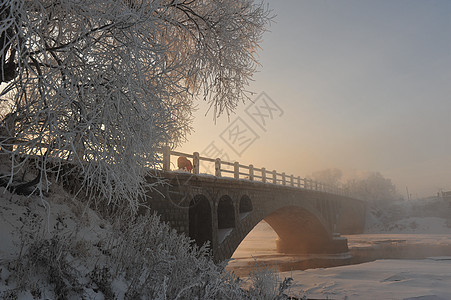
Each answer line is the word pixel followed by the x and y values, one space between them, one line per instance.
pixel 401 232
pixel 28 220
pixel 56 247
pixel 417 234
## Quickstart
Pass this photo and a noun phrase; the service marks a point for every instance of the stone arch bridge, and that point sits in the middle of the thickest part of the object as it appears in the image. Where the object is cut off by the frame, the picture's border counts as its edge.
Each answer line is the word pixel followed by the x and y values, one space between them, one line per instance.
pixel 224 210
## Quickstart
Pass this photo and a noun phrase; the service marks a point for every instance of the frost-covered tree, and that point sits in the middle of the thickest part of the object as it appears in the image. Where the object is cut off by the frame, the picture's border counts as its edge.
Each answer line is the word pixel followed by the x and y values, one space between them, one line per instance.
pixel 103 83
pixel 373 187
pixel 328 176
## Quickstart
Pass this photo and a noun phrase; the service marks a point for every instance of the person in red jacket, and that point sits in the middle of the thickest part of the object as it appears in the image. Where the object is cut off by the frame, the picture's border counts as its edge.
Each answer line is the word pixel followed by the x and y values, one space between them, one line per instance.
pixel 184 163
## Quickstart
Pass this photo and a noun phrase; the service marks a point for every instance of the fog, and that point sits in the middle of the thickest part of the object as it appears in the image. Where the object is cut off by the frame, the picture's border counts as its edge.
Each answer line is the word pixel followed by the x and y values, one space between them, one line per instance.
pixel 362 86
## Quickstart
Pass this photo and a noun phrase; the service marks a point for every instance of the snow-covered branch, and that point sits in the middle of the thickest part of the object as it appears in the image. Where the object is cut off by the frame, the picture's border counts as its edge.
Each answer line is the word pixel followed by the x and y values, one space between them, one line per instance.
pixel 101 84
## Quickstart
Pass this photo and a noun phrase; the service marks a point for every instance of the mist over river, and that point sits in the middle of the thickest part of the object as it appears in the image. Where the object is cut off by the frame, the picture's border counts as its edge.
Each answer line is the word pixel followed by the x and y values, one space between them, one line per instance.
pixel 404 254
pixel 260 246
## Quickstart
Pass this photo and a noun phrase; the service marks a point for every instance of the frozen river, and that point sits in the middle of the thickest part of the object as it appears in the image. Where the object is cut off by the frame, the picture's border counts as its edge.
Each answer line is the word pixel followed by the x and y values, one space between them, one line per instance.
pixel 383 266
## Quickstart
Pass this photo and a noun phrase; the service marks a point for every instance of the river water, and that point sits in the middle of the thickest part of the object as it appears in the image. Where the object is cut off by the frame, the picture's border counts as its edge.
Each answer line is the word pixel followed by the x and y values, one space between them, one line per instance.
pixel 260 246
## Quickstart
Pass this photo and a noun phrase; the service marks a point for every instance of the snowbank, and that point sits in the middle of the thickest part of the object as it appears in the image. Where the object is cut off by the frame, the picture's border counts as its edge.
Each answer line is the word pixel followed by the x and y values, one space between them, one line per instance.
pixel 430 215
pixel 57 248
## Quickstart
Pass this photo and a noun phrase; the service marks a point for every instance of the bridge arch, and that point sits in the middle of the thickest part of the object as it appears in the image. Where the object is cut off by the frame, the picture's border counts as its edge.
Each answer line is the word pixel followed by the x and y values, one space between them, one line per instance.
pixel 200 220
pixel 245 206
pixel 225 213
pixel 300 230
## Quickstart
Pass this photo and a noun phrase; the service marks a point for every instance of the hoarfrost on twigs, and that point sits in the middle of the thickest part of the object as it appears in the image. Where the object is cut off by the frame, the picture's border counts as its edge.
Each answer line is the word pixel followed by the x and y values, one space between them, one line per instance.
pixel 95 87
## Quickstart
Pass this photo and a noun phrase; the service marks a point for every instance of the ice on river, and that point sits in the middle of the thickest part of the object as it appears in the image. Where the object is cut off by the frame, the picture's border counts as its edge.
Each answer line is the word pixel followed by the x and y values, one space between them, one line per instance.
pixel 425 275
pixel 381 279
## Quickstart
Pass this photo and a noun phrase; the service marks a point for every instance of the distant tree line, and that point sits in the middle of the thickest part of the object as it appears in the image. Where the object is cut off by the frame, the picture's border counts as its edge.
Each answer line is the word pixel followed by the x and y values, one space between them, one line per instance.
pixel 370 186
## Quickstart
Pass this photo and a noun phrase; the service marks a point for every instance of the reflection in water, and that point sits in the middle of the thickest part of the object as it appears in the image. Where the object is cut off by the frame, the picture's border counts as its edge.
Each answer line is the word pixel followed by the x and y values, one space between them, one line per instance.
pixel 260 245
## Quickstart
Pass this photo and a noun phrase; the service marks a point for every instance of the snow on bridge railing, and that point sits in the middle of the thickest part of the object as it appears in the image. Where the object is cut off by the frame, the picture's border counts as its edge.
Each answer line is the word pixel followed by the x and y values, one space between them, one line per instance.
pixel 249 172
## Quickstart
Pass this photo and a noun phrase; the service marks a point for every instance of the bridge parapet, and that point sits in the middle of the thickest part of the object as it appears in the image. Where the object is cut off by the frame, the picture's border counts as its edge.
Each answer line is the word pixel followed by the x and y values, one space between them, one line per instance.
pixel 236 170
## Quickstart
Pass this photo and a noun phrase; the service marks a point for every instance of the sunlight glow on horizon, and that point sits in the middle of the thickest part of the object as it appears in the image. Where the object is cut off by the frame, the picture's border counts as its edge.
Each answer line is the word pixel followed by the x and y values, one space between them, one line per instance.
pixel 364 86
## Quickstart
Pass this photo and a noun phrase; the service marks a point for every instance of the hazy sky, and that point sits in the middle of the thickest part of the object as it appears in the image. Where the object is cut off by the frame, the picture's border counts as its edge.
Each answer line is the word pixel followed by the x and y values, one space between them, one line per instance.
pixel 359 85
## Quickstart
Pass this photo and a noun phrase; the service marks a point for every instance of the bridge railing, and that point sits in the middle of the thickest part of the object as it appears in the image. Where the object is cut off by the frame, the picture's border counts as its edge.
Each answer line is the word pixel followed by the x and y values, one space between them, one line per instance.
pixel 223 168
pixel 248 172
